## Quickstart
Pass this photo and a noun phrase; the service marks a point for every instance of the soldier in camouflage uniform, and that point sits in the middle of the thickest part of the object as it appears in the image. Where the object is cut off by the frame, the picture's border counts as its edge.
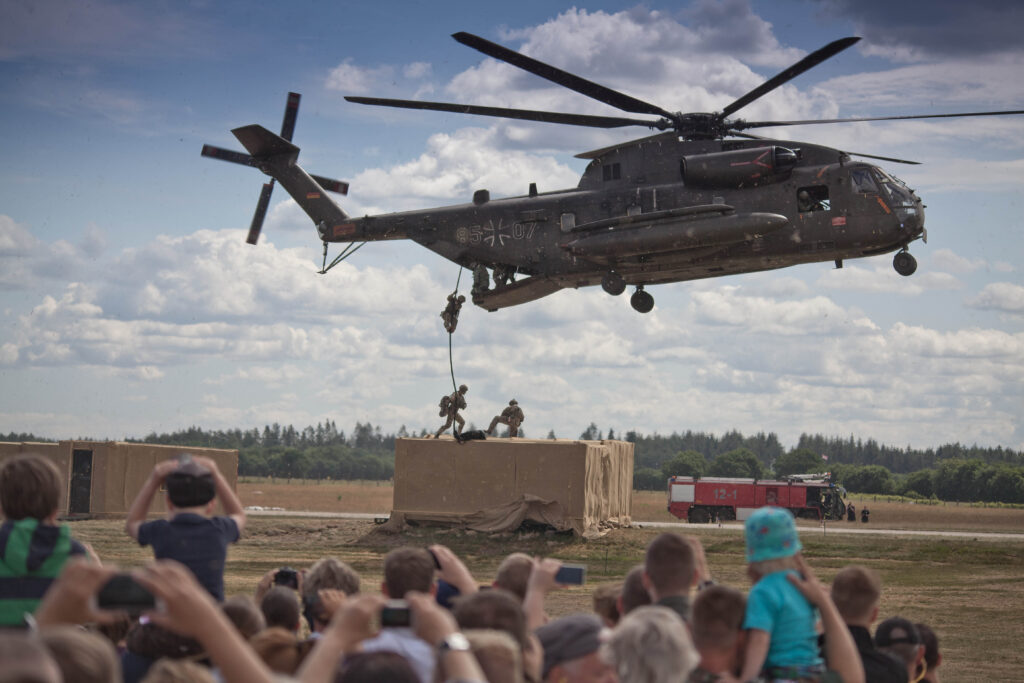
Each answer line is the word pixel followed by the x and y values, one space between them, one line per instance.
pixel 450 407
pixel 511 416
pixel 450 315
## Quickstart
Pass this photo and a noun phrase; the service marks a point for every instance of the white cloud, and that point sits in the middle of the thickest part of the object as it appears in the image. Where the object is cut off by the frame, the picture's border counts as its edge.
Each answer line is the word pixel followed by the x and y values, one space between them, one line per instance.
pixel 14 238
pixel 950 260
pixel 351 79
pixel 968 343
pixel 817 315
pixel 417 70
pixel 962 81
pixel 1005 297
pixel 455 165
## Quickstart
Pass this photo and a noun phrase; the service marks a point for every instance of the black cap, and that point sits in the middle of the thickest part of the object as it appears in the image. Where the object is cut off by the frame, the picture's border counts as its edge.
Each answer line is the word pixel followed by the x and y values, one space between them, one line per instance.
pixel 569 638
pixel 190 484
pixel 897 630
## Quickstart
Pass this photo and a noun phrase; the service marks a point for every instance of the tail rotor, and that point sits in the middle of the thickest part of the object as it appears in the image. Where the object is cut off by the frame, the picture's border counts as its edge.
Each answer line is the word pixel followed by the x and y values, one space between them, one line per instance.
pixel 291 113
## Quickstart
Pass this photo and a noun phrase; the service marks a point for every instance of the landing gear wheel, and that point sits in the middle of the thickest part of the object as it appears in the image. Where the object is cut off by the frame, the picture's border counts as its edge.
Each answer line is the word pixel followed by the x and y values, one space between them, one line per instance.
pixel 641 301
pixel 613 283
pixel 904 263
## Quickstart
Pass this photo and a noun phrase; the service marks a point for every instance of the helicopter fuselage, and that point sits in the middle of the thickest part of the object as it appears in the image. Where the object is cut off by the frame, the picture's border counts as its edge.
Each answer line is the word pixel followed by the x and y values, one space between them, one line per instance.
pixel 661 210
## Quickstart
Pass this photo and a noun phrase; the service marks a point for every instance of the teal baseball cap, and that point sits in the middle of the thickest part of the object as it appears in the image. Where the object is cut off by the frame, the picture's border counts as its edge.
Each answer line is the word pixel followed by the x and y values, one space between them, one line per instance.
pixel 771 534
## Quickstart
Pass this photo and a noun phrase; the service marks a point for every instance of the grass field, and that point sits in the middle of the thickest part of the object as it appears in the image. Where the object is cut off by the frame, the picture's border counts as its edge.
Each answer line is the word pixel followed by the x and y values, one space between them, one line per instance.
pixel 648 506
pixel 971 592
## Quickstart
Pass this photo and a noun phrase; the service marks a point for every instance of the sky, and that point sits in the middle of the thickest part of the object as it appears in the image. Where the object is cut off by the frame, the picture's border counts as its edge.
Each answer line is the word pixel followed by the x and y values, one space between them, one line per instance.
pixel 130 302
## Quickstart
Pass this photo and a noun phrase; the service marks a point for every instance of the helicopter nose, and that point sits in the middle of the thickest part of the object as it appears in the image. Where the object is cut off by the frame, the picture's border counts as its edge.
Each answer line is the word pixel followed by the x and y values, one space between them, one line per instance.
pixel 912 217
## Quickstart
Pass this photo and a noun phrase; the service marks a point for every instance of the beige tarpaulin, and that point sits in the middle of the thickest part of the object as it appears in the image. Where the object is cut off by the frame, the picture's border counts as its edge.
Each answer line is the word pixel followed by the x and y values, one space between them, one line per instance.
pixel 497 484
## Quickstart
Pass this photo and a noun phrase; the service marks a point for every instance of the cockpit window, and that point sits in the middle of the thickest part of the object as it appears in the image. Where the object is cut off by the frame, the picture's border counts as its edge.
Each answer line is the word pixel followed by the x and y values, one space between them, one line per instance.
pixel 895 190
pixel 862 181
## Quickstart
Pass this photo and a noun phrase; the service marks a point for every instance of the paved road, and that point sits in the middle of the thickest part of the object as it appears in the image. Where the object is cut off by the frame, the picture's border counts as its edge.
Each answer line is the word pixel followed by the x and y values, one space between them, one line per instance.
pixel 835 528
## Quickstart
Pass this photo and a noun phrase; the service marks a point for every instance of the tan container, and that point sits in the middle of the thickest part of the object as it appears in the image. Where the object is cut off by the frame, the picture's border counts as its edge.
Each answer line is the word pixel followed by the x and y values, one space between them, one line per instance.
pixel 495 485
pixel 102 478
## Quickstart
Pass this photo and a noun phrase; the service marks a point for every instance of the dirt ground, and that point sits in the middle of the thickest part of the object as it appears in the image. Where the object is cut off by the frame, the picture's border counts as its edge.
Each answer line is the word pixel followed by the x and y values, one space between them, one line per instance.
pixel 971 592
pixel 648 506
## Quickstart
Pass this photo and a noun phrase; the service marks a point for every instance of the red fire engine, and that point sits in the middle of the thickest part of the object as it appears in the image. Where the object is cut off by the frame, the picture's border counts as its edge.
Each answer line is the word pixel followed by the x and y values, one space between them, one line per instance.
pixel 704 499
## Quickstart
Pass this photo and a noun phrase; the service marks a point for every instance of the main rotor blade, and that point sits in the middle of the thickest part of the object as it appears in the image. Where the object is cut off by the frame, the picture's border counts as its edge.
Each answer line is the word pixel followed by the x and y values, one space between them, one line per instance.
pixel 743 125
pixel 563 78
pixel 291 112
pixel 808 62
pixel 227 155
pixel 261 212
pixel 893 159
pixel 524 114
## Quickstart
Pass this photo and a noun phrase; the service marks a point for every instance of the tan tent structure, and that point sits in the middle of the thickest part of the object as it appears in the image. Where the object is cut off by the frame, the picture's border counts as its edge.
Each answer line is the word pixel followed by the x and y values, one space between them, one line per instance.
pixel 101 478
pixel 496 484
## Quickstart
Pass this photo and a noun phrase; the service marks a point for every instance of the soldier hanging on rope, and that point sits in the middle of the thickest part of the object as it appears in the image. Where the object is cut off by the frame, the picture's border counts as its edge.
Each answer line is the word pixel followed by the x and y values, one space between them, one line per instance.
pixel 511 416
pixel 450 315
pixel 450 406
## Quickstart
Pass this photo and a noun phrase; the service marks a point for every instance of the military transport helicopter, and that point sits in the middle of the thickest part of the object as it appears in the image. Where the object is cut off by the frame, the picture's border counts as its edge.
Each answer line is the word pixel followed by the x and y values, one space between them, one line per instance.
pixel 683 204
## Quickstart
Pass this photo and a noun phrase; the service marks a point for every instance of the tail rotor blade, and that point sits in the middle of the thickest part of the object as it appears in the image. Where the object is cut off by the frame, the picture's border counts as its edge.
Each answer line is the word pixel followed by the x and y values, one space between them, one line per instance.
pixel 227 155
pixel 330 184
pixel 261 212
pixel 291 112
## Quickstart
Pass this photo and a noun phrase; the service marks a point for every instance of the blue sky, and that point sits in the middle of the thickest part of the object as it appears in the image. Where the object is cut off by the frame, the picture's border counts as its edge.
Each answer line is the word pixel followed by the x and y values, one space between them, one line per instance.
pixel 131 303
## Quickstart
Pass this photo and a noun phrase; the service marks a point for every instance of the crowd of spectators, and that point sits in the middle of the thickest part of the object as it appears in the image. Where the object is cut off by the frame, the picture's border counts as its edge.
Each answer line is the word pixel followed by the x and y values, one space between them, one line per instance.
pixel 430 620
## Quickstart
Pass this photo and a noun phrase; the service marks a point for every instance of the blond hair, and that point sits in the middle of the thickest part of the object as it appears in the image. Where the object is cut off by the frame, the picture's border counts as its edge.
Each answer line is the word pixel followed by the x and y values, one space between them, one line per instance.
pixel 651 644
pixel 82 656
pixel 498 654
pixel 758 570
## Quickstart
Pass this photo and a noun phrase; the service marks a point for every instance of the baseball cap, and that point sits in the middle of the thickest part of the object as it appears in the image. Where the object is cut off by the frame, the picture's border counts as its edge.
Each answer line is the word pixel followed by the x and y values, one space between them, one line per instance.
pixel 896 630
pixel 191 484
pixel 569 638
pixel 771 534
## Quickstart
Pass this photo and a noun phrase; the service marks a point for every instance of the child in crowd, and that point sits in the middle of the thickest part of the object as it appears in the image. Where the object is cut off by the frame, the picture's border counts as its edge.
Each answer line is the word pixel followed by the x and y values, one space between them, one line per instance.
pixel 782 641
pixel 33 548
pixel 189 534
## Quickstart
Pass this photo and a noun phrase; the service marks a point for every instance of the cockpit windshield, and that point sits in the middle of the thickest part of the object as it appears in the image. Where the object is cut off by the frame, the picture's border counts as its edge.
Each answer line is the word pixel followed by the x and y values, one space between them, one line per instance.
pixel 894 189
pixel 862 181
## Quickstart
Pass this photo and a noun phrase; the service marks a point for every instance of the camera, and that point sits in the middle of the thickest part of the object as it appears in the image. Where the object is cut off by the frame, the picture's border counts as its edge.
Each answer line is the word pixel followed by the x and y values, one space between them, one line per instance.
pixel 122 593
pixel 395 614
pixel 288 577
pixel 571 574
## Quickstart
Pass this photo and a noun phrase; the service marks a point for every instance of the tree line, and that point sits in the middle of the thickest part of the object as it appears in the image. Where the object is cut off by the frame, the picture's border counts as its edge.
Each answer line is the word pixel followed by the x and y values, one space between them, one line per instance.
pixel 952 472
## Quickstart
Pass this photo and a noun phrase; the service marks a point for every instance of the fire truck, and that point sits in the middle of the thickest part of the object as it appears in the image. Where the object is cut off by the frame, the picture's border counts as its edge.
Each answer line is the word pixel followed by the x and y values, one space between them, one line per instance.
pixel 704 499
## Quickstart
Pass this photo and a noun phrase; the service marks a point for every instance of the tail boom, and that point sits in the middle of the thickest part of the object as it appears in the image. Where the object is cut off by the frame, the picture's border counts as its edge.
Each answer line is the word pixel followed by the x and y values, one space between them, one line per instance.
pixel 277 157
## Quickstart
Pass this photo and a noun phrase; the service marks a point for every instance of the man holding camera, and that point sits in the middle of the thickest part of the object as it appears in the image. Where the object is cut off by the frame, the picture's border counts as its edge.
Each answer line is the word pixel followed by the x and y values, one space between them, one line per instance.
pixel 190 534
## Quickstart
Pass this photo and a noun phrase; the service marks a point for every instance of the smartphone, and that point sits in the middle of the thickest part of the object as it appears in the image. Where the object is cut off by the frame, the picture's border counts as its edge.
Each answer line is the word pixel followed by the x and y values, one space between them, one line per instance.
pixel 122 593
pixel 287 577
pixel 395 614
pixel 571 574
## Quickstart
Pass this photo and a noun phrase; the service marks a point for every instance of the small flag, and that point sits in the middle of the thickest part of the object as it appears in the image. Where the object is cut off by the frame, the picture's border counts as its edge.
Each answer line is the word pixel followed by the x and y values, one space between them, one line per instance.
pixel 824 457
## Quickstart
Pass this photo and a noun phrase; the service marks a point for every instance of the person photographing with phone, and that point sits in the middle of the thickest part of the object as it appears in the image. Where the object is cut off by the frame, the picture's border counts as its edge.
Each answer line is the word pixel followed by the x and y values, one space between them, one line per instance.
pixel 190 534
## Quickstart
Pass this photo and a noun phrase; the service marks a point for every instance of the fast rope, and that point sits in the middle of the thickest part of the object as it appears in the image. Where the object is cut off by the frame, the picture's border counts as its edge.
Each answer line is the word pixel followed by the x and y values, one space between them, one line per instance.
pixel 451 366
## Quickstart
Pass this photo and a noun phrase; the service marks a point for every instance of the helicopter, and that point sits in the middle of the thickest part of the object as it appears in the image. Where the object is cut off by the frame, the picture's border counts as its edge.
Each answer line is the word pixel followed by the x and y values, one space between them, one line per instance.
pixel 702 198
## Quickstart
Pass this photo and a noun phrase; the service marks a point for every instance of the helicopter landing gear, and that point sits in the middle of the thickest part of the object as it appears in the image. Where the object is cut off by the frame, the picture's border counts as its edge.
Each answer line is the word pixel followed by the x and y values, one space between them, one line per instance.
pixel 641 301
pixel 613 283
pixel 904 263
